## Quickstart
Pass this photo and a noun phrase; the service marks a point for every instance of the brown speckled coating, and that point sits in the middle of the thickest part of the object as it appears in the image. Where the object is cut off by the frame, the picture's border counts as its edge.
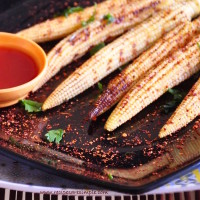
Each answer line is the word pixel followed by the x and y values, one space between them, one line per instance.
pixel 176 68
pixel 187 111
pixel 79 42
pixel 119 52
pixel 61 26
pixel 87 149
pixel 120 85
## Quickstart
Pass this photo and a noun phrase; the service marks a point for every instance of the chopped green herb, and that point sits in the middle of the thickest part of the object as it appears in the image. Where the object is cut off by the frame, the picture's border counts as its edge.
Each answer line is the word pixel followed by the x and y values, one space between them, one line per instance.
pixel 95 7
pixel 176 93
pixel 69 11
pixel 100 86
pixel 109 18
pixel 91 19
pixel 110 176
pixel 96 48
pixel 55 135
pixel 198 44
pixel 84 23
pixel 177 98
pixel 14 142
pixel 31 106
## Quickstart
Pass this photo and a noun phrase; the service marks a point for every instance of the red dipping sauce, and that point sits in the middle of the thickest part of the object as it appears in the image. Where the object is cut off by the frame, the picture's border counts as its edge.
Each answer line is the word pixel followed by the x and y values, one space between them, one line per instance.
pixel 16 68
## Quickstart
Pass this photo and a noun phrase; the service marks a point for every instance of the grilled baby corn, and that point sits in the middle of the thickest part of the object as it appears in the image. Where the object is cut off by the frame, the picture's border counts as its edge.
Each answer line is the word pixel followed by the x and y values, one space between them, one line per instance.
pixel 121 51
pixel 170 72
pixel 62 26
pixel 188 110
pixel 78 43
pixel 120 85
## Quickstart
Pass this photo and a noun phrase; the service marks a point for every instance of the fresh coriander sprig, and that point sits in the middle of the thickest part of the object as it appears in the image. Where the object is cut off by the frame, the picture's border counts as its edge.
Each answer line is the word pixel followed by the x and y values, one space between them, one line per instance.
pixel 198 44
pixel 109 18
pixel 92 18
pixel 110 176
pixel 100 86
pixel 177 98
pixel 96 48
pixel 71 10
pixel 31 106
pixel 55 135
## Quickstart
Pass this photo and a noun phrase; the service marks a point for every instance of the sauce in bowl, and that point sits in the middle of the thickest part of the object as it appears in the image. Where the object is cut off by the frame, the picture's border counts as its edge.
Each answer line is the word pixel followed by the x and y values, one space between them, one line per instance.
pixel 23 65
pixel 16 68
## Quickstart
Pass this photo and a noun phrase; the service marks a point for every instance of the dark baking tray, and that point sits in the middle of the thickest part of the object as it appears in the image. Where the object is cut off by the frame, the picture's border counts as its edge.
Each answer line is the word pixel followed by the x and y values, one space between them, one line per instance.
pixel 86 150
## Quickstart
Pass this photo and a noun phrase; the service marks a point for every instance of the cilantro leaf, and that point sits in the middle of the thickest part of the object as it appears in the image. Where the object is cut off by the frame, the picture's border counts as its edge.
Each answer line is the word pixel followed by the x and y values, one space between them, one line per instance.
pixel 177 98
pixel 92 18
pixel 55 135
pixel 31 106
pixel 169 106
pixel 100 86
pixel 178 95
pixel 95 8
pixel 14 142
pixel 71 10
pixel 85 23
pixel 110 176
pixel 96 48
pixel 109 18
pixel 198 44
pixel 68 11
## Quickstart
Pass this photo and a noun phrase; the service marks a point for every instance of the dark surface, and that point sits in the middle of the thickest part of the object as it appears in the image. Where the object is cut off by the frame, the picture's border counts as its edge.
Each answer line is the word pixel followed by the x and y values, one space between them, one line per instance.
pixel 14 171
pixel 86 149
pixel 8 4
pixel 11 169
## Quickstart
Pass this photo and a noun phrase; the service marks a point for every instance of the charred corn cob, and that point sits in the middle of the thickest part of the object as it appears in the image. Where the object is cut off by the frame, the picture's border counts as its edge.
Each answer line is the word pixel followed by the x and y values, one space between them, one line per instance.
pixel 188 110
pixel 76 44
pixel 118 86
pixel 121 51
pixel 169 73
pixel 61 26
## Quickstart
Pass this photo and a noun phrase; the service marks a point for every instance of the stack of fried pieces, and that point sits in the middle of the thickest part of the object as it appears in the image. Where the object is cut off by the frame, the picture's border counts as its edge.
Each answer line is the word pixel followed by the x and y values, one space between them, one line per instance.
pixel 158 36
